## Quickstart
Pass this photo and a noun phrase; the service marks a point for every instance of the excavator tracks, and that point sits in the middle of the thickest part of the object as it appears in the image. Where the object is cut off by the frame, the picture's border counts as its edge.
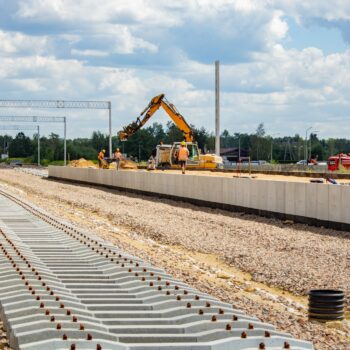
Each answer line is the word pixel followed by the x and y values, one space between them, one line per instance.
pixel 64 288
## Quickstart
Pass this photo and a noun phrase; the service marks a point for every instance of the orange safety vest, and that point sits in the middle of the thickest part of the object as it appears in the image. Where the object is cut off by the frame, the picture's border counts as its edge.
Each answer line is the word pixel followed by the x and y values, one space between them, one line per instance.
pixel 101 155
pixel 183 153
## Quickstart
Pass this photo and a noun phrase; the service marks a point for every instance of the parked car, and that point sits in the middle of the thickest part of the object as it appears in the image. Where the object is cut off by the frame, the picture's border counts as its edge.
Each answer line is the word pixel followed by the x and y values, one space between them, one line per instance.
pixel 16 163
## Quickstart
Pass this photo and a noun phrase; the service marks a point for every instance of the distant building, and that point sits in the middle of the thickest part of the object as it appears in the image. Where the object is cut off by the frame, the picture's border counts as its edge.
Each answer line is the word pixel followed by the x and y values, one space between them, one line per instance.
pixel 230 155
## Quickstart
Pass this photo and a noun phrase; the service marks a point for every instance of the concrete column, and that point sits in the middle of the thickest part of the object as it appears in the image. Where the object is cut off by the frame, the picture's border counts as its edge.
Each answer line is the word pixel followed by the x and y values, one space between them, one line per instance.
pixel 110 128
pixel 65 142
pixel 217 108
pixel 38 145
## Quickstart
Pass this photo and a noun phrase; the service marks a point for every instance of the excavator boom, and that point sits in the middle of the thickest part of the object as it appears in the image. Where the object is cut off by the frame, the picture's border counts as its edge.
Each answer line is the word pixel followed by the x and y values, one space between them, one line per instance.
pixel 146 114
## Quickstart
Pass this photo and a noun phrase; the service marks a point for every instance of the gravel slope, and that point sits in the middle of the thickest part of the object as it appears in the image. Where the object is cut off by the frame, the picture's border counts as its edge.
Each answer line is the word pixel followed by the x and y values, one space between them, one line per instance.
pixel 294 258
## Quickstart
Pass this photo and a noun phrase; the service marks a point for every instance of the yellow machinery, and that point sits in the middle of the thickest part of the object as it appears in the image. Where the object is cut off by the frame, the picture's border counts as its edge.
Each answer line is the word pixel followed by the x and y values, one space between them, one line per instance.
pixel 166 154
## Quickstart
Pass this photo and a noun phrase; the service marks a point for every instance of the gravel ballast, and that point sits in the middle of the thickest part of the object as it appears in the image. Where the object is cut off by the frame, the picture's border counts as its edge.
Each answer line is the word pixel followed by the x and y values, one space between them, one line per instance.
pixel 182 238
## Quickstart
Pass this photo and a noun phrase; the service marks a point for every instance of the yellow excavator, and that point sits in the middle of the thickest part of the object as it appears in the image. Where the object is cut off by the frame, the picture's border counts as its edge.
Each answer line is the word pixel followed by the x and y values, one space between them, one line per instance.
pixel 166 155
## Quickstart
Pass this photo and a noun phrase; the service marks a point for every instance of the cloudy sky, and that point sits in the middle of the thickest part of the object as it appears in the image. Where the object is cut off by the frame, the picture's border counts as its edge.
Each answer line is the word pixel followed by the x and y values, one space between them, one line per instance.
pixel 283 62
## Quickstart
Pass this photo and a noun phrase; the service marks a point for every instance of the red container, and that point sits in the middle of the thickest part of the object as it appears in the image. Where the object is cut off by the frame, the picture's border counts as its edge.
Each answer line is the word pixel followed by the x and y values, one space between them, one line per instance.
pixel 334 162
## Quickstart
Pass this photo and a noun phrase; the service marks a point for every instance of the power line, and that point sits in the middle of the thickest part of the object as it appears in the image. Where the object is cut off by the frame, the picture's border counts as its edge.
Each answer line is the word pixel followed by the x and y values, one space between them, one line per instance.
pixel 40 119
pixel 64 104
pixel 34 119
pixel 54 104
pixel 25 127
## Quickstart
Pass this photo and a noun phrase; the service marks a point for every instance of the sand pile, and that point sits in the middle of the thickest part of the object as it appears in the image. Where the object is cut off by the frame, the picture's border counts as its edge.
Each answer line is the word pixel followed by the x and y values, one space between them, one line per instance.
pixel 124 164
pixel 81 163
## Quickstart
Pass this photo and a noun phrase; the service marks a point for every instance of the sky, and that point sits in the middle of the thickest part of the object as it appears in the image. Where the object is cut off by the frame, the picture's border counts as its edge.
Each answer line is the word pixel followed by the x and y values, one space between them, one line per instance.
pixel 285 63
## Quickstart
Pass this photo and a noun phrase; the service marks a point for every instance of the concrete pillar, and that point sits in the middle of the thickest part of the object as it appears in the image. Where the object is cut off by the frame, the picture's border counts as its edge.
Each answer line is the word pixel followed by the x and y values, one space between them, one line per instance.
pixel 217 108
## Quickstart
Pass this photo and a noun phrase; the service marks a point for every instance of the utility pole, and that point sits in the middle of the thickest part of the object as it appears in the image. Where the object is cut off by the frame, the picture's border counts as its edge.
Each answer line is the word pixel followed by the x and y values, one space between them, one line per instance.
pixel 239 147
pixel 306 147
pixel 38 145
pixel 65 141
pixel 110 128
pixel 217 108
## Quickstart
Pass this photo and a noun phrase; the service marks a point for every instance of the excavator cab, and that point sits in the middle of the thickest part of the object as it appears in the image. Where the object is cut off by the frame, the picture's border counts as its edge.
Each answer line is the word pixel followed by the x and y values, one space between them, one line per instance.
pixel 193 158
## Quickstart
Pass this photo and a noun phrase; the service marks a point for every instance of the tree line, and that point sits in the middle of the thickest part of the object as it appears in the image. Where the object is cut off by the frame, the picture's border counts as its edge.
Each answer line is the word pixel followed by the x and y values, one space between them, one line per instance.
pixel 259 145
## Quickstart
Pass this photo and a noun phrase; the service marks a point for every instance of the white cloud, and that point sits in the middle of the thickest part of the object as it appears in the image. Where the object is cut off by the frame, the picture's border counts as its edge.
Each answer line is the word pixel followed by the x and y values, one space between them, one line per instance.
pixel 168 45
pixel 97 53
pixel 12 43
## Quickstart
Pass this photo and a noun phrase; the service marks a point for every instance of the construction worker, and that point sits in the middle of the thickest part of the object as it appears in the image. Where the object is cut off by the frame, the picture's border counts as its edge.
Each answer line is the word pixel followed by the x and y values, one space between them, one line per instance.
pixel 183 156
pixel 100 158
pixel 118 157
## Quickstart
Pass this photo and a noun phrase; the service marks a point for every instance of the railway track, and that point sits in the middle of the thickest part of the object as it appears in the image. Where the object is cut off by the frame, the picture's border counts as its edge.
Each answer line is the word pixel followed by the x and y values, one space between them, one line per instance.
pixel 65 288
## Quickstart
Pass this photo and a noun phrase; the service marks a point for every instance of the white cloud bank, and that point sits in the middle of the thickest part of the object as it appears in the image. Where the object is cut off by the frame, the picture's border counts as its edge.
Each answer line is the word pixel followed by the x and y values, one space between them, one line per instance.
pixel 128 51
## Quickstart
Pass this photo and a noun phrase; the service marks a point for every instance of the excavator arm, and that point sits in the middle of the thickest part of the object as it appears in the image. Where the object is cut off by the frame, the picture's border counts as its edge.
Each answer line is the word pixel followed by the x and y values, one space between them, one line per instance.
pixel 146 114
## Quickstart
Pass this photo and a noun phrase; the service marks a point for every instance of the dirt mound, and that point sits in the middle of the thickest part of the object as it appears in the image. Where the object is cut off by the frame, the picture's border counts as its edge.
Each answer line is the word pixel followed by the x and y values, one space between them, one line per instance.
pixel 124 164
pixel 81 163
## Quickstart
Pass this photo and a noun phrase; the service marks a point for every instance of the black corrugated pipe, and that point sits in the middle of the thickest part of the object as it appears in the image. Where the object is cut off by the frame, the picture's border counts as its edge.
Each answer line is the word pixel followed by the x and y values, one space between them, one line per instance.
pixel 326 305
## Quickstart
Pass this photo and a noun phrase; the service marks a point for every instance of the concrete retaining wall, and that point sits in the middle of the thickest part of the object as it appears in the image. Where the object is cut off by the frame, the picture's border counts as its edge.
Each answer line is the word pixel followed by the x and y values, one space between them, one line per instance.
pixel 316 204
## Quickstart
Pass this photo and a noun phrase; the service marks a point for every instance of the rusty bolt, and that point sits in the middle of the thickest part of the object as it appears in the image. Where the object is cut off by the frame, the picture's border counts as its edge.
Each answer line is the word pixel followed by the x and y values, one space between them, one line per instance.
pixel 52 319
pixel 58 326
pixel 250 326
pixel 73 347
pixel 262 346
pixel 143 279
pixel 243 335
pixel 200 312
pixel 185 292
pixel 221 311
pixel 267 334
pixel 159 287
pixel 286 345
pixel 62 306
pixel 81 327
pixel 189 305
pixel 234 318
pixel 98 347
pixel 176 287
pixel 89 337
pixel 213 318
pixel 47 312
pixel 57 298
pixel 178 297
pixel 228 327
pixel 151 284
pixel 75 319
pixel 42 305
pixel 207 304
pixel 68 312
pixel 64 337
pixel 167 292
pixel 37 298
pixel 197 297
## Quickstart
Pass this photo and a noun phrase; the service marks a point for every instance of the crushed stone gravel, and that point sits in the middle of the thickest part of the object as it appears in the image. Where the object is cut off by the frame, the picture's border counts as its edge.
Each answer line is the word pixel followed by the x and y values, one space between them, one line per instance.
pixel 294 258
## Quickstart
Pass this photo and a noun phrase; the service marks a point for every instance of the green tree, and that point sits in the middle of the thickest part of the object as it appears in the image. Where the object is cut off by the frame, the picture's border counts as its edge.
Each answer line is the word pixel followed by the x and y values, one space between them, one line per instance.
pixel 20 146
